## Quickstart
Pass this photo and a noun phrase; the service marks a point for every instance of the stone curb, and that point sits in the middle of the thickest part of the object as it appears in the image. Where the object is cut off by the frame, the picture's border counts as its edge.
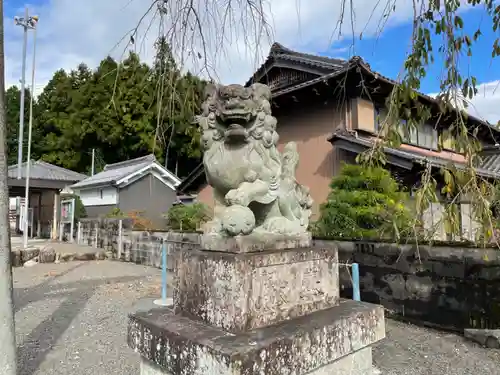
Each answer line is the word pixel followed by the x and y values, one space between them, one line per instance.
pixel 19 257
pixel 33 256
pixel 489 338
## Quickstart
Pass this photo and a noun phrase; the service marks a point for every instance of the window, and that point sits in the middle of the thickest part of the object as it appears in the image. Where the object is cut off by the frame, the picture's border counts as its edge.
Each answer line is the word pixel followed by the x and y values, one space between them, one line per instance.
pixel 380 115
pixel 425 136
pixel 449 143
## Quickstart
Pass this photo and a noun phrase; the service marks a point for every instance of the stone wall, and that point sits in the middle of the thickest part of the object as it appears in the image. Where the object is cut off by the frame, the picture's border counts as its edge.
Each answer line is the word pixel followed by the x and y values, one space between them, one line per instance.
pixel 141 247
pixel 450 287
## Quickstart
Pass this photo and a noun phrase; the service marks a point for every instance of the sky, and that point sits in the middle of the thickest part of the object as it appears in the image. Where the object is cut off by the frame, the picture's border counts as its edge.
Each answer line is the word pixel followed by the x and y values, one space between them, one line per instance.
pixel 75 31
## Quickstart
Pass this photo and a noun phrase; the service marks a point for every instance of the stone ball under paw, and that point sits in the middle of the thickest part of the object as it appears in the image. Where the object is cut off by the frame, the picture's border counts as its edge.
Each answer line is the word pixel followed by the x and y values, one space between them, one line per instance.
pixel 238 220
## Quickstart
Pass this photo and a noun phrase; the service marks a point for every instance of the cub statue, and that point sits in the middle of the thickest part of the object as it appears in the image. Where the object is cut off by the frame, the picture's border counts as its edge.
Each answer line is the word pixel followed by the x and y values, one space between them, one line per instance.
pixel 254 185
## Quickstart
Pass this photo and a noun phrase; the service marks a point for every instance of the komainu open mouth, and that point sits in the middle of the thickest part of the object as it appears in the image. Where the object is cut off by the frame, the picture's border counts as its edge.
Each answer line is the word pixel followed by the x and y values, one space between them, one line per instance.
pixel 236 117
pixel 236 132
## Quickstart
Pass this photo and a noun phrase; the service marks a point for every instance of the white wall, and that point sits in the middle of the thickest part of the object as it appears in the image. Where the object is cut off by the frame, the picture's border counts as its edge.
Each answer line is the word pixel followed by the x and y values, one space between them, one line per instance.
pixel 98 197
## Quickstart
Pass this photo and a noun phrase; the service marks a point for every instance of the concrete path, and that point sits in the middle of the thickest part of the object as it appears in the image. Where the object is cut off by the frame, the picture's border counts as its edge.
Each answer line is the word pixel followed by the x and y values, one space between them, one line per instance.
pixel 71 318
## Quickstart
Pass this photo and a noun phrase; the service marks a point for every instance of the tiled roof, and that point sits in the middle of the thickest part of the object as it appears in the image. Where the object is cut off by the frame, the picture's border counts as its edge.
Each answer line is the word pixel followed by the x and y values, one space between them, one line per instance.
pixel 45 171
pixel 117 171
pixel 279 52
pixel 491 162
pixel 333 68
pixel 486 169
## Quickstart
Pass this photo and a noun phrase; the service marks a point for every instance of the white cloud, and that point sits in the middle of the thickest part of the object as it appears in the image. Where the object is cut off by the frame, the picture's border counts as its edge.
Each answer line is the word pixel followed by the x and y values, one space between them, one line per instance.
pixel 74 31
pixel 486 103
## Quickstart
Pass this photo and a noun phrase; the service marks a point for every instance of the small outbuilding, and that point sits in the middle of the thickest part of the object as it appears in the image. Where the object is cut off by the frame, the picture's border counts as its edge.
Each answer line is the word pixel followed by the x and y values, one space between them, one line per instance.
pixel 141 185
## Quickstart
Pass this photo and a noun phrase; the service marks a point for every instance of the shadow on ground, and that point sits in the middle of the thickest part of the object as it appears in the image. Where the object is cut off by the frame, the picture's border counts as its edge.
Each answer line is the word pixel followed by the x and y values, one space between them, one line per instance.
pixel 40 341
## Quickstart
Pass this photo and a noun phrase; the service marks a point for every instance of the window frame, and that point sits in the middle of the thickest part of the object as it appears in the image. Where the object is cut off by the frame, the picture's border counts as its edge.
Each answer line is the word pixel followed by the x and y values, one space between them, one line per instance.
pixel 417 137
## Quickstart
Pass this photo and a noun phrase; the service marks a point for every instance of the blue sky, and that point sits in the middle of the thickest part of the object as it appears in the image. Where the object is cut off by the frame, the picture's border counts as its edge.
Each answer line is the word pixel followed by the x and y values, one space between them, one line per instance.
pixel 386 54
pixel 74 31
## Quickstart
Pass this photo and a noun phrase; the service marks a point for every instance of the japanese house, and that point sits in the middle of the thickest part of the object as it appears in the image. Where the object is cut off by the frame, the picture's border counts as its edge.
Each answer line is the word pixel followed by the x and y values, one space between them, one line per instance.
pixel 331 108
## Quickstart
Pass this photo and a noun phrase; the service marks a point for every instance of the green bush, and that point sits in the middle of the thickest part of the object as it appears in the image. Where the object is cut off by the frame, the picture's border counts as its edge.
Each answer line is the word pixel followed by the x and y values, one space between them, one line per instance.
pixel 115 213
pixel 364 203
pixel 188 217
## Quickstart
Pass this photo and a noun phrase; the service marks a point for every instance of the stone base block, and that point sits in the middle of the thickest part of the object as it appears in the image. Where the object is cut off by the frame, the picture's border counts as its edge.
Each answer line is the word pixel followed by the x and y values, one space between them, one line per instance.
pixel 240 292
pixel 332 341
pixel 357 363
pixel 255 242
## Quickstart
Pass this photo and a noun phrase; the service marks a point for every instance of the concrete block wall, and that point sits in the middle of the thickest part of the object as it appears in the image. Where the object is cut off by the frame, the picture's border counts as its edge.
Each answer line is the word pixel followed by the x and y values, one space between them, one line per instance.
pixel 141 247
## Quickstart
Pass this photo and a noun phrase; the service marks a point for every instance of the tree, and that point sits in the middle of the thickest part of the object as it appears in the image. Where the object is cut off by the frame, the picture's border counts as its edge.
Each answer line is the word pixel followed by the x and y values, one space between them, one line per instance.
pixel 12 108
pixel 438 31
pixel 178 100
pixel 116 110
pixel 365 202
pixel 54 108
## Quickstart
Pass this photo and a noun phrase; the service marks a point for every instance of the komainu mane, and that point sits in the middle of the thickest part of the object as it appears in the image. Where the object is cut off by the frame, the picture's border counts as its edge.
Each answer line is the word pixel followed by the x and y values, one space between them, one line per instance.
pixel 254 186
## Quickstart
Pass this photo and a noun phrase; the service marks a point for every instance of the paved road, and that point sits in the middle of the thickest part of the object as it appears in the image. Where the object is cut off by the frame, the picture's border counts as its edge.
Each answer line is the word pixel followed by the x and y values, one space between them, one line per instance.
pixel 71 319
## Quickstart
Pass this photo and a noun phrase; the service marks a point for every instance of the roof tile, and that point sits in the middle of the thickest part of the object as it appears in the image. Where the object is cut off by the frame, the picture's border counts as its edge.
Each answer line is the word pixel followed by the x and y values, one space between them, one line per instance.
pixel 45 171
pixel 115 172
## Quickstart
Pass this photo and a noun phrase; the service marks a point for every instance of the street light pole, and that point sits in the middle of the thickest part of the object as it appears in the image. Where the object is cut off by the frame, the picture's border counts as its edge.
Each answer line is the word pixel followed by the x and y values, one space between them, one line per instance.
pixel 22 21
pixel 32 23
pixel 8 365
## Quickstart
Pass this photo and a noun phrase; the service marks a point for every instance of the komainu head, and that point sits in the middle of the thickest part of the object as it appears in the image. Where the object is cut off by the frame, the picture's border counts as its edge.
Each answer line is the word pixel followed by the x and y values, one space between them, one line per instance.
pixel 235 113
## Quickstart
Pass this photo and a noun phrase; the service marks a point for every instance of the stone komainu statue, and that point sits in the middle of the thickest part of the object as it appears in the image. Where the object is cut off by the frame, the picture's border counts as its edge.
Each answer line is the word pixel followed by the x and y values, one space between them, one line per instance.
pixel 254 186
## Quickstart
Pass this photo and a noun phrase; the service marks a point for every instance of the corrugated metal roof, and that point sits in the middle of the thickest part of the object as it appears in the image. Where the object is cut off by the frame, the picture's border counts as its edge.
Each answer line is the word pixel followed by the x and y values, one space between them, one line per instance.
pixel 117 171
pixel 42 170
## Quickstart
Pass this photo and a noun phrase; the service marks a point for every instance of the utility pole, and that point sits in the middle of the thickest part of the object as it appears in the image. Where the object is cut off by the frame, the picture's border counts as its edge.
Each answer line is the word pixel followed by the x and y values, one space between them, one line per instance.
pixel 22 21
pixel 8 364
pixel 93 163
pixel 32 21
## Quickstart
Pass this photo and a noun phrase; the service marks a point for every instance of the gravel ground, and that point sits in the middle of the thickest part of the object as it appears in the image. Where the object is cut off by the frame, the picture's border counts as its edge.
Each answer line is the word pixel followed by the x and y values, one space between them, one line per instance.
pixel 412 350
pixel 71 319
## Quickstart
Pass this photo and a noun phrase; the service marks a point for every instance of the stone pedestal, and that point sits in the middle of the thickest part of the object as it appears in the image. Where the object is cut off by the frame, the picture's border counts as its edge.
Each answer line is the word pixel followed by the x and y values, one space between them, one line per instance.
pixel 257 312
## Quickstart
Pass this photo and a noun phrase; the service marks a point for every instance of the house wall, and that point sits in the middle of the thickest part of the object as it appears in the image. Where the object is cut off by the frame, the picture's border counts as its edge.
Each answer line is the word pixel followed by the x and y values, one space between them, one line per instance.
pixel 148 195
pixel 97 211
pixel 98 201
pixel 102 196
pixel 310 128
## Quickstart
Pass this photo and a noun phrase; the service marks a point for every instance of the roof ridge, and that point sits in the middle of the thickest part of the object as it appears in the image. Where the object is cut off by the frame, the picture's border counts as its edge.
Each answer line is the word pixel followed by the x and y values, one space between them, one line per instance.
pixel 278 51
pixel 56 167
pixel 141 159
pixel 278 48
